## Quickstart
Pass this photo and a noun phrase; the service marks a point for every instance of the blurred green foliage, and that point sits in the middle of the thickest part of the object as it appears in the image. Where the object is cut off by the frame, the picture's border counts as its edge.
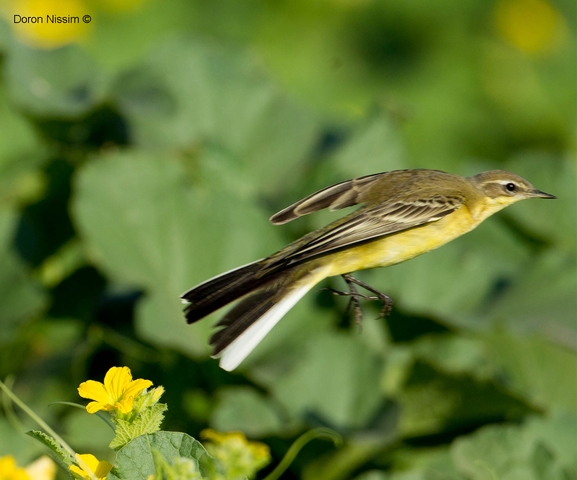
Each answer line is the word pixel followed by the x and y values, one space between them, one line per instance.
pixel 146 153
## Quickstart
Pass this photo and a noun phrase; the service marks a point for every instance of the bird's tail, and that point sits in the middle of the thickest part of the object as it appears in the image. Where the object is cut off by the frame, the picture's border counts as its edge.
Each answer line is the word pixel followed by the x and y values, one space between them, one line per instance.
pixel 219 291
pixel 269 298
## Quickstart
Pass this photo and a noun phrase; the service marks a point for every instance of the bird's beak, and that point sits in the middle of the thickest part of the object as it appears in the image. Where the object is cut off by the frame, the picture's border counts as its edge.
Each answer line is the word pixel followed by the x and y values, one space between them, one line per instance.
pixel 539 194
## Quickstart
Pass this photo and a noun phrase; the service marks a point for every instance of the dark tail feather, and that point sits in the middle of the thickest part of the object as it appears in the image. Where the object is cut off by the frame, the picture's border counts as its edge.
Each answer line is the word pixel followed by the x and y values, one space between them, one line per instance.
pixel 242 316
pixel 220 291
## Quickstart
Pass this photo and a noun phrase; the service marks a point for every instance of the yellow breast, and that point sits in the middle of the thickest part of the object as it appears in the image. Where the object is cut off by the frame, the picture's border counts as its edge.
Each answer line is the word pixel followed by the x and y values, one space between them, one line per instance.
pixel 398 247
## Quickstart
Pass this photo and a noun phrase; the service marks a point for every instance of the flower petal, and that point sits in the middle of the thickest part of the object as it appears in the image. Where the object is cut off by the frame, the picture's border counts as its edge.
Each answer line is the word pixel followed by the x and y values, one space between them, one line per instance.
pixel 94 407
pixel 116 380
pixel 125 405
pixel 94 391
pixel 103 469
pixel 89 460
pixel 10 470
pixel 136 386
pixel 77 470
pixel 7 464
pixel 98 468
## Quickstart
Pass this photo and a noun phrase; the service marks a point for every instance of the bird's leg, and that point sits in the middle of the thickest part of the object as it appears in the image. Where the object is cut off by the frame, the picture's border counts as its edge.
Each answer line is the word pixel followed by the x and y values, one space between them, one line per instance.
pixel 383 297
pixel 355 303
pixel 352 282
pixel 354 300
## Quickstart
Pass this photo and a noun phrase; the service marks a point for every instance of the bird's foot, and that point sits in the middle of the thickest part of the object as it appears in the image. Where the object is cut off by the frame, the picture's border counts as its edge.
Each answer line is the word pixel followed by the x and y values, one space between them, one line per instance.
pixel 352 283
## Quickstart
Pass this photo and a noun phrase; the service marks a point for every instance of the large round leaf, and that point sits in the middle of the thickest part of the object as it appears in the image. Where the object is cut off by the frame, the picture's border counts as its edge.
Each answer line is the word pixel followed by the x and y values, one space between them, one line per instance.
pixel 149 227
pixel 193 95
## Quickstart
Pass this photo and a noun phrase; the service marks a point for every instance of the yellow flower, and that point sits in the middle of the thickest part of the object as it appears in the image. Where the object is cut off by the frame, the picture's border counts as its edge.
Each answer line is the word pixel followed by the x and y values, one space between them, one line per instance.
pixel 98 468
pixel 117 392
pixel 533 26
pixel 238 440
pixel 10 471
pixel 240 456
pixel 42 468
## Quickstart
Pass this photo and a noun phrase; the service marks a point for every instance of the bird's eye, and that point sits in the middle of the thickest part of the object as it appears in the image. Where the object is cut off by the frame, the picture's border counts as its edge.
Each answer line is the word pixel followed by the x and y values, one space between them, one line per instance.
pixel 511 187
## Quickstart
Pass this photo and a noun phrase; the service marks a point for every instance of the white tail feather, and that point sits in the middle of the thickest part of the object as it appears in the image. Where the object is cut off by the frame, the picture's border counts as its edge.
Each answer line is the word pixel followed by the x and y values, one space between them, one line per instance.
pixel 245 343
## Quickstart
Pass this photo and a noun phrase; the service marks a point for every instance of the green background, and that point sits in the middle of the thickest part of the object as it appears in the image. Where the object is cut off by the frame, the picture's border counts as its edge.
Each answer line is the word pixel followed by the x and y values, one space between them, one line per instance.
pixel 148 157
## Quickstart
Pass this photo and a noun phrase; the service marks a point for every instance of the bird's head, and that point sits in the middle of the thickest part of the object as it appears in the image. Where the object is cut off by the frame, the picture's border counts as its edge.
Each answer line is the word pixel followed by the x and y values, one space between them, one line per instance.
pixel 503 188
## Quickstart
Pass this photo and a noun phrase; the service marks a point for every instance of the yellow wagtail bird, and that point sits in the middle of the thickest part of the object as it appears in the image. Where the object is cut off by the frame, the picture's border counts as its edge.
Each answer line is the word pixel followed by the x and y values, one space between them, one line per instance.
pixel 404 213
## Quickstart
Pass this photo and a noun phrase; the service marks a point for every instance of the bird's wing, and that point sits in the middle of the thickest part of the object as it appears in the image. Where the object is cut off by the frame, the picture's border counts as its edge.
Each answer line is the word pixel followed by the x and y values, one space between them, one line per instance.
pixel 335 197
pixel 366 224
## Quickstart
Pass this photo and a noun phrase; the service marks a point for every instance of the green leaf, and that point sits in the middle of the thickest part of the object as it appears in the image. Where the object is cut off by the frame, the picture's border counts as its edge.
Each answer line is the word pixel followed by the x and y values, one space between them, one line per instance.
pixel 558 433
pixel 542 299
pixel 178 469
pixel 148 421
pixel 20 296
pixel 432 401
pixel 246 410
pixel 20 155
pixel 61 456
pixel 53 83
pixel 136 460
pixel 375 475
pixel 333 380
pixel 341 464
pixel 452 354
pixel 506 452
pixel 448 354
pixel 535 368
pixel 423 463
pixel 194 95
pixel 377 142
pixel 147 226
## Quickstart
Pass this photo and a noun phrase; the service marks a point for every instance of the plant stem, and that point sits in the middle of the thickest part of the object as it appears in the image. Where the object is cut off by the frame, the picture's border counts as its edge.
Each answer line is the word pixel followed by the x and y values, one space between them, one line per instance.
pixel 46 428
pixel 297 446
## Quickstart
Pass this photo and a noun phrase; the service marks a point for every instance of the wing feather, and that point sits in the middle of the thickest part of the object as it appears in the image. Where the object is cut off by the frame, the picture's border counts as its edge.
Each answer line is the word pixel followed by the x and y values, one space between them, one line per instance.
pixel 368 224
pixel 335 197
